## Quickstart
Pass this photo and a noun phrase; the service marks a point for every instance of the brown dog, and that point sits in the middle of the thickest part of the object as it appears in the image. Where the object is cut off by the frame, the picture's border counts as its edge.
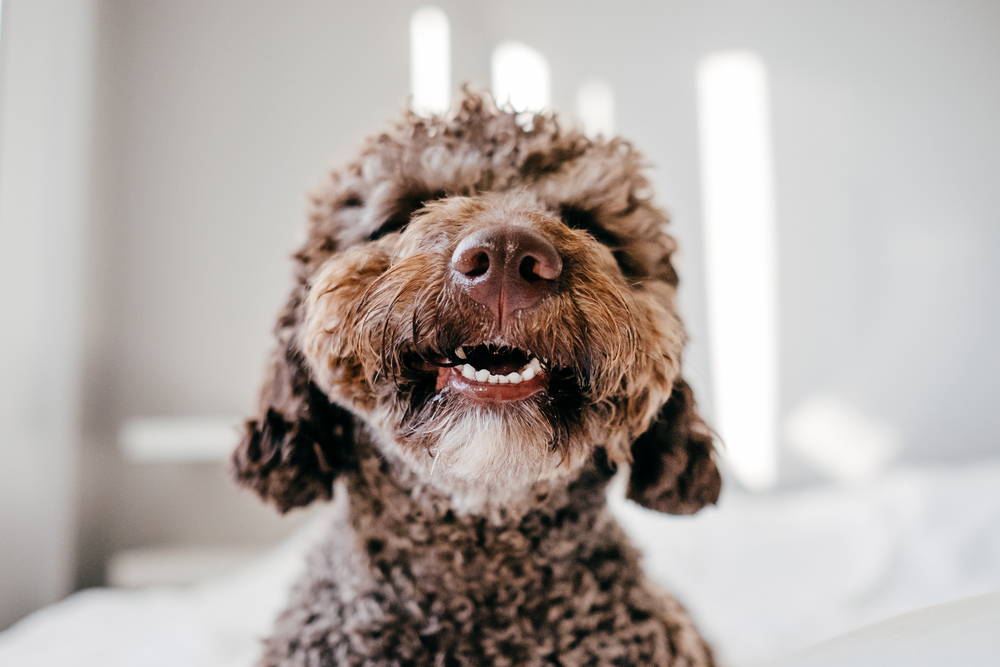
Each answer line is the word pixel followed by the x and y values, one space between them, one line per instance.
pixel 482 329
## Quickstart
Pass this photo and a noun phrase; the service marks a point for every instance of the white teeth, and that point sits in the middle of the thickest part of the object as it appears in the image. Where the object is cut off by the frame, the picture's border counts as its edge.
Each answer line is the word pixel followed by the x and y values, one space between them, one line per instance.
pixel 529 371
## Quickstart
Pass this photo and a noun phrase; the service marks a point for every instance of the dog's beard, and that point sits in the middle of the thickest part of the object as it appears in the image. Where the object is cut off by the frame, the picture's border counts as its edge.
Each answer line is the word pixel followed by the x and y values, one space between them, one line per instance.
pixel 492 452
pixel 503 445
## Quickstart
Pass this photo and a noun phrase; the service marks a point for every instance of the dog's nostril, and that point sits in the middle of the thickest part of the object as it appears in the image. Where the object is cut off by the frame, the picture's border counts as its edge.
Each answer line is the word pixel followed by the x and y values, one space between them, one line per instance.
pixel 541 265
pixel 529 269
pixel 472 263
pixel 473 260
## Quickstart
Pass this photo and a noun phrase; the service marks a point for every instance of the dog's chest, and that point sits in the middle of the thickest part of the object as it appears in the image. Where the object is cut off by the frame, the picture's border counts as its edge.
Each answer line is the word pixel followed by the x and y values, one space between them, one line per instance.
pixel 462 605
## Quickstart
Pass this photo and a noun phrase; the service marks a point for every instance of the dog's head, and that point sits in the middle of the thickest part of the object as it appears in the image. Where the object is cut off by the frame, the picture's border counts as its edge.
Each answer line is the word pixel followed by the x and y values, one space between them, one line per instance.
pixel 492 299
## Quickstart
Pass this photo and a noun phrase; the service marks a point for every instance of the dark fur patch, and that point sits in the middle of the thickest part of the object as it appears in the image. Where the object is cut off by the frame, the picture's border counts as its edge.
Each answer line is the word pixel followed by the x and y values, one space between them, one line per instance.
pixel 673 466
pixel 403 211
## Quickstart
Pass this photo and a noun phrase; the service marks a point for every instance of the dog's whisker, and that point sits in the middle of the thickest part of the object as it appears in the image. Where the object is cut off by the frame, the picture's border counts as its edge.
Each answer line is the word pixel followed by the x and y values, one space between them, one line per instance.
pixel 433 467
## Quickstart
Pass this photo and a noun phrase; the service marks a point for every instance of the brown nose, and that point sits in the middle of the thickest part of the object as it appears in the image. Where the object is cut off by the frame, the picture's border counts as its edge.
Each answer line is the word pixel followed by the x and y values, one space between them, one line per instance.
pixel 506 268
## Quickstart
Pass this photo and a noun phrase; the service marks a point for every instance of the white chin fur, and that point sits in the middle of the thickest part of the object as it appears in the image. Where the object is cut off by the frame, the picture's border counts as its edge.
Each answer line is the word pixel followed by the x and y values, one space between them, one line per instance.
pixel 486 458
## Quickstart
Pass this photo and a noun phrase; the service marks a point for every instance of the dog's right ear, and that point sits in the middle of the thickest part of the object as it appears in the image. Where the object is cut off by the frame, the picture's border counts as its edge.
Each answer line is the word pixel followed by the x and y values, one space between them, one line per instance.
pixel 299 442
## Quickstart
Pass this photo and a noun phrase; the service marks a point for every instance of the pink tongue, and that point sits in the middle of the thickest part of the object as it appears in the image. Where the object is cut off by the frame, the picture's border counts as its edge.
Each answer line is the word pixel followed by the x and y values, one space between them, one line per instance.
pixel 503 369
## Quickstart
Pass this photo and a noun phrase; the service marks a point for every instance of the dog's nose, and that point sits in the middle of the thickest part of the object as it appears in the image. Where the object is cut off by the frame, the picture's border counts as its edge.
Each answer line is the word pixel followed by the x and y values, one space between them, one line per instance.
pixel 506 268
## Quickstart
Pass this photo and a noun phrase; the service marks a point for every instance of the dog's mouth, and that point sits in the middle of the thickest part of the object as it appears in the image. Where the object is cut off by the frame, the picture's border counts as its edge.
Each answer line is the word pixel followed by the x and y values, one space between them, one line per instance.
pixel 498 378
pixel 491 372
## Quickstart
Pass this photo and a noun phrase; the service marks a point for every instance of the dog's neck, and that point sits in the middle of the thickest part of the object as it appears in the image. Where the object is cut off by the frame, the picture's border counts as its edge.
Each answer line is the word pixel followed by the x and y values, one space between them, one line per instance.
pixel 396 519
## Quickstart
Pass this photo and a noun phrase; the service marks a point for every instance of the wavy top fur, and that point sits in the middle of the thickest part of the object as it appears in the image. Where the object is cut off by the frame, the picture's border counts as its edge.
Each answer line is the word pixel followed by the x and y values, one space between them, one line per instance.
pixel 479 147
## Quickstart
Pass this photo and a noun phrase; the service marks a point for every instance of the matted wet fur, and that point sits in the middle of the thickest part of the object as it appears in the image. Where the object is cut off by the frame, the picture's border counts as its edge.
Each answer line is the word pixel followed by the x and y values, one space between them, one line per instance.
pixel 472 532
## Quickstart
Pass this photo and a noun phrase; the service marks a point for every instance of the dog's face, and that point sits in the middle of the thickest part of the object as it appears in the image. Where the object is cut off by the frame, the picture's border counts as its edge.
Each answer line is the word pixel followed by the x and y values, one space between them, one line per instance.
pixel 494 301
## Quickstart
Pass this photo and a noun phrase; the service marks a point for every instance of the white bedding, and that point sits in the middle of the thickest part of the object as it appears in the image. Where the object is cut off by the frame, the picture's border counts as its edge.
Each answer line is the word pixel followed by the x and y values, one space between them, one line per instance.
pixel 764 575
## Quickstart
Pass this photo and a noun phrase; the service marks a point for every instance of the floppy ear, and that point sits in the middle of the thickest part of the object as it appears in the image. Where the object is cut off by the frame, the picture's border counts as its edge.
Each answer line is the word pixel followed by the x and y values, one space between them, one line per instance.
pixel 673 463
pixel 300 441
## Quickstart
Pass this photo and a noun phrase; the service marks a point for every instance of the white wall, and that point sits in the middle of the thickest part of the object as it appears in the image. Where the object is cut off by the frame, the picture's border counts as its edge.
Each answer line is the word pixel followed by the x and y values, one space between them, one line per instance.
pixel 46 92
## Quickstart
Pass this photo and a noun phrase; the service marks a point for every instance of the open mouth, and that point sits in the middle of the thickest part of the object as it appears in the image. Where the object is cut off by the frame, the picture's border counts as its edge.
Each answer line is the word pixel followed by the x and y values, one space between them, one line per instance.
pixel 494 373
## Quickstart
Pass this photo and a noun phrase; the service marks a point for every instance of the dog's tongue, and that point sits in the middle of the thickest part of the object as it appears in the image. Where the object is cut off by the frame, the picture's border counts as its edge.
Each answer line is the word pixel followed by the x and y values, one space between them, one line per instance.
pixel 502 368
pixel 499 361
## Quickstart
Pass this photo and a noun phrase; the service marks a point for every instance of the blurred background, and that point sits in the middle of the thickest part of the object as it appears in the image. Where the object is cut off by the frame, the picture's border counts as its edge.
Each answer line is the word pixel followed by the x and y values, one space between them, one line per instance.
pixel 830 167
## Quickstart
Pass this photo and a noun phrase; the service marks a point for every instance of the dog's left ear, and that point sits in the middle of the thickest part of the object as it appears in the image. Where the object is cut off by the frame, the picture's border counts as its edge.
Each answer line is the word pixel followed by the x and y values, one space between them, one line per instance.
pixel 673 463
pixel 299 441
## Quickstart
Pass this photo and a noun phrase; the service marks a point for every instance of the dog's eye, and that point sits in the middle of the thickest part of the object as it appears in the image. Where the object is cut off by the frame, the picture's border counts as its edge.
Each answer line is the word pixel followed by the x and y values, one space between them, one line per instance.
pixel 394 224
pixel 404 210
pixel 584 220
pixel 578 218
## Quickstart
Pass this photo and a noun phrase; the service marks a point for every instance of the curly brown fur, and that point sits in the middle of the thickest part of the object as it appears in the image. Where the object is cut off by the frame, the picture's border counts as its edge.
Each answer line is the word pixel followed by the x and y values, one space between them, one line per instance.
pixel 404 581
pixel 471 531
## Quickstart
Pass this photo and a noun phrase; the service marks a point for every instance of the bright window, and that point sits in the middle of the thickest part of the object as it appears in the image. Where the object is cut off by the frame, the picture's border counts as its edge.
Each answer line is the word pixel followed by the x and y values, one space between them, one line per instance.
pixel 520 76
pixel 740 247
pixel 430 60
